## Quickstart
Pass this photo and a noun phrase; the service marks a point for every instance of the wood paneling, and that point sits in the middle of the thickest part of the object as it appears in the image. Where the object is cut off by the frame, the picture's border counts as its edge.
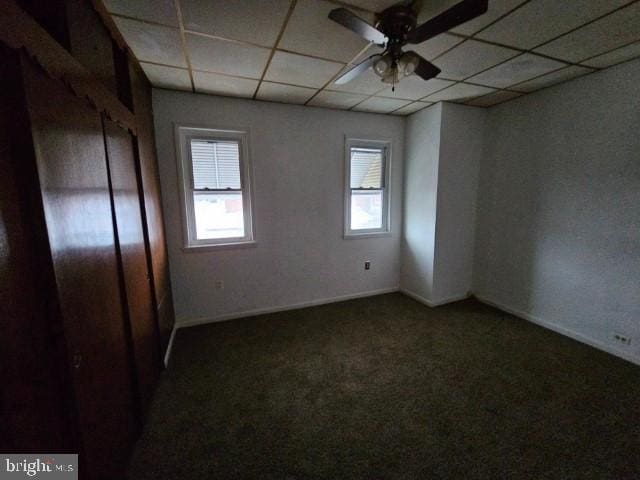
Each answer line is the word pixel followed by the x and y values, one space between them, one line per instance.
pixel 78 27
pixel 35 398
pixel 51 15
pixel 141 94
pixel 85 296
pixel 72 170
pixel 90 42
pixel 121 62
pixel 18 30
pixel 137 278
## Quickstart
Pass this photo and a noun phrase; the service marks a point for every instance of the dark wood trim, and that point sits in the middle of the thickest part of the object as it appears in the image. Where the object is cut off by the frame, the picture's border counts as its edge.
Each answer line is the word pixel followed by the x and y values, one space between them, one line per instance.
pixel 135 388
pixel 110 24
pixel 19 30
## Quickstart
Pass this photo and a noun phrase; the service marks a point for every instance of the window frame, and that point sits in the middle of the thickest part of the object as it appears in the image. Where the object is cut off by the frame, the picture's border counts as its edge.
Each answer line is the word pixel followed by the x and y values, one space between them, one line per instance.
pixel 385 229
pixel 184 134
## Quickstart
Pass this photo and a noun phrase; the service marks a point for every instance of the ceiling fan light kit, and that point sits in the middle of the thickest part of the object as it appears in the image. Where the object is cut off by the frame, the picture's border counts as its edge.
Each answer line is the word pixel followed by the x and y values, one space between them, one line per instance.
pixel 397 26
pixel 408 64
pixel 382 65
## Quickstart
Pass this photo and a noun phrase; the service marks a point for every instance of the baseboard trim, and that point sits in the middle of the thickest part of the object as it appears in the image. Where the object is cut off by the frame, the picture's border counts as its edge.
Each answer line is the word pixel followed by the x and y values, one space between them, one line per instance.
pixel 167 354
pixel 561 330
pixel 282 308
pixel 434 303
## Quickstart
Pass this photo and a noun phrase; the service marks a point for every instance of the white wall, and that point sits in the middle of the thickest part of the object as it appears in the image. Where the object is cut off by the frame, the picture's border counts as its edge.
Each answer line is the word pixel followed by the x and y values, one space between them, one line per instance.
pixel 558 237
pixel 461 146
pixel 301 256
pixel 422 157
pixel 444 150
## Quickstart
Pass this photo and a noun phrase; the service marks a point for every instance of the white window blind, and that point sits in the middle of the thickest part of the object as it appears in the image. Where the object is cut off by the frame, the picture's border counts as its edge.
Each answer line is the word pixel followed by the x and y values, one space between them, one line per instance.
pixel 216 165
pixel 367 168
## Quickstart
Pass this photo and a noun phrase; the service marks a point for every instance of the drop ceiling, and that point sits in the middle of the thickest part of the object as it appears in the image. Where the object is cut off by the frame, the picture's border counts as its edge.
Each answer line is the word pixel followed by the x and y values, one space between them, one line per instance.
pixel 289 51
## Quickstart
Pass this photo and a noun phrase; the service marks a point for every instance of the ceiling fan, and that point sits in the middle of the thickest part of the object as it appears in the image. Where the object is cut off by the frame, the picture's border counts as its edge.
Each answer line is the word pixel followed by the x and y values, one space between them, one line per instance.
pixel 397 26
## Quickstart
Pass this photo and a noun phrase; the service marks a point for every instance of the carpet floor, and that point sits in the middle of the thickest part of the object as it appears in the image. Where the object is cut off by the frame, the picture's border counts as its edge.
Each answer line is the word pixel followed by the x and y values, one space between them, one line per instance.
pixel 386 388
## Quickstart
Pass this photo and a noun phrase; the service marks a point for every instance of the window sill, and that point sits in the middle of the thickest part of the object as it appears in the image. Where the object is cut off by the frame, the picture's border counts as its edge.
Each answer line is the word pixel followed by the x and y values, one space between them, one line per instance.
pixel 356 236
pixel 219 246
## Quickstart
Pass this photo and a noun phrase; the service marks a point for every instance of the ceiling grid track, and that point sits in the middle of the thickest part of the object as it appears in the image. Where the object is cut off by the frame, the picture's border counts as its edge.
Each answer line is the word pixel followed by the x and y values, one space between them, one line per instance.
pixel 472 37
pixel 183 42
pixel 332 79
pixel 292 6
pixel 423 101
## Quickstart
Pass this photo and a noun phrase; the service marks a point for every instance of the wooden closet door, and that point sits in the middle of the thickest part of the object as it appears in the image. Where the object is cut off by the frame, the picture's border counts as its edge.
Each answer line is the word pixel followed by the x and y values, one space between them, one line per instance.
pixel 69 144
pixel 137 278
pixel 143 109
pixel 35 388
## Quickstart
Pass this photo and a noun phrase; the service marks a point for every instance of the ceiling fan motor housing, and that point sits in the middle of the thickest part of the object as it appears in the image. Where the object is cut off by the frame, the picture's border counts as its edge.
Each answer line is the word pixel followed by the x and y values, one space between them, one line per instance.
pixel 395 22
pixel 395 27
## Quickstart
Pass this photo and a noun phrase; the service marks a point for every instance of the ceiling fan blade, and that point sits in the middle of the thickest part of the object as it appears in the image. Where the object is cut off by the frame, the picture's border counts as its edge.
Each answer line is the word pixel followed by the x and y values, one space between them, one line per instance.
pixel 456 15
pixel 424 69
pixel 355 71
pixel 354 23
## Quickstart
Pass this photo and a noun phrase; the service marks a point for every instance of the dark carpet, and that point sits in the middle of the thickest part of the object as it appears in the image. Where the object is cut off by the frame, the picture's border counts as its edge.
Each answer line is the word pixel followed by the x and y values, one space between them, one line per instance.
pixel 386 388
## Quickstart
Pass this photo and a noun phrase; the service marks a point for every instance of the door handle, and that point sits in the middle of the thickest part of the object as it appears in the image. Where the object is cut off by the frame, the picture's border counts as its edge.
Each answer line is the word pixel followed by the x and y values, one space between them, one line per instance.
pixel 77 359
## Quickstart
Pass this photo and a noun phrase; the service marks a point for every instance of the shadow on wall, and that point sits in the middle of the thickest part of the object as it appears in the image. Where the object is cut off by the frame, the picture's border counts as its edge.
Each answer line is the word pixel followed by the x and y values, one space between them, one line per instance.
pixel 419 279
pixel 509 194
pixel 559 208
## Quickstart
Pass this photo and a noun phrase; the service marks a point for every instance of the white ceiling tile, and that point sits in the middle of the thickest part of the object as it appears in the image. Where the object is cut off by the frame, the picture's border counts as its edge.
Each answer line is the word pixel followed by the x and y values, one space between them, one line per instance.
pixel 370 51
pixel 612 31
pixel 460 92
pixel 541 20
pixel 432 8
pixel 381 105
pixel 300 70
pixel 206 82
pixel 336 99
pixel 549 79
pixel 616 56
pixel 471 57
pixel 412 108
pixel 414 88
pixel 310 31
pixel 516 70
pixel 254 21
pixel 160 11
pixel 435 46
pixel 366 83
pixel 497 8
pixel 276 92
pixel 167 77
pixel 494 98
pixel 376 6
pixel 226 57
pixel 152 43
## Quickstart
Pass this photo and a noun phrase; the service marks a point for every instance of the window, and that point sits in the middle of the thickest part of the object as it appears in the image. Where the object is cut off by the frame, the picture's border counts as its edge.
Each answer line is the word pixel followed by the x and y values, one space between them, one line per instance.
pixel 366 192
pixel 215 179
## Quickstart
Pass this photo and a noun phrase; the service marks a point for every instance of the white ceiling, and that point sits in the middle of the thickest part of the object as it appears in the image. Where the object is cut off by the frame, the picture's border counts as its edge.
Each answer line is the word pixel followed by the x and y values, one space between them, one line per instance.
pixel 289 51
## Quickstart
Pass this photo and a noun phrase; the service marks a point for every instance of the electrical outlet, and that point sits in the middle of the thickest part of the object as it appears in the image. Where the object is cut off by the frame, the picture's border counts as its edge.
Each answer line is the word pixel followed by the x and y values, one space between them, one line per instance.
pixel 622 339
pixel 367 265
pixel 218 284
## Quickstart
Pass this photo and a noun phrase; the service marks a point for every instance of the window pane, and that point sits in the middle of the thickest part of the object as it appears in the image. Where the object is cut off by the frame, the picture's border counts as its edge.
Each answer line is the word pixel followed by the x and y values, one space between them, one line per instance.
pixel 366 209
pixel 216 164
pixel 218 215
pixel 366 167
